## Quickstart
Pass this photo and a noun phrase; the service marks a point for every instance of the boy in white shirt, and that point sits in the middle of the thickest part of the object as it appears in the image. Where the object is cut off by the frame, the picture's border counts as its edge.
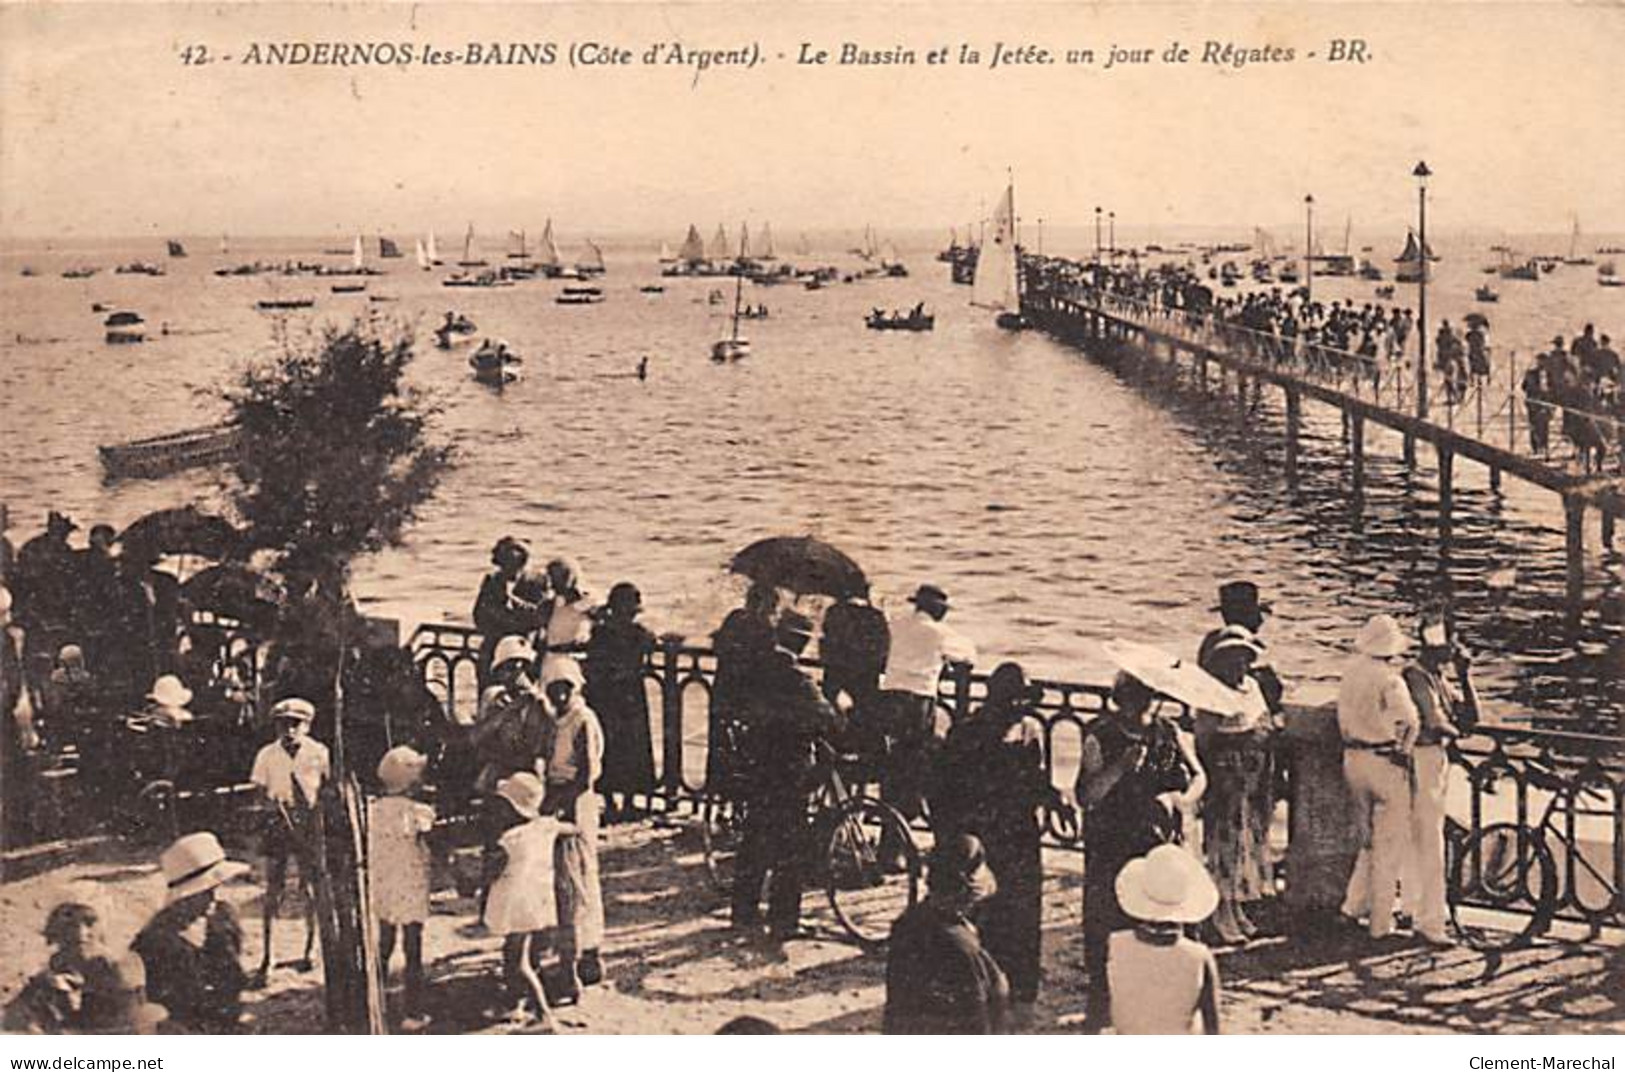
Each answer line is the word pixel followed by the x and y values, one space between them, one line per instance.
pixel 290 773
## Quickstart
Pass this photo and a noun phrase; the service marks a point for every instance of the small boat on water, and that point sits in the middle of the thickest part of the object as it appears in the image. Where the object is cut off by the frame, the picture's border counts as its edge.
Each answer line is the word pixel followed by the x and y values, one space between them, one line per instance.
pixel 580 296
pixel 139 268
pixel 1606 276
pixel 1413 261
pixel 469 260
pixel 387 249
pixel 146 459
pixel 458 330
pixel 1369 270
pixel 82 272
pixel 125 327
pixel 494 364
pixel 272 305
pixel 1486 294
pixel 1385 292
pixel 175 248
pixel 754 312
pixel 651 288
pixel 28 272
pixel 1528 271
pixel 997 284
pixel 483 279
pixel 591 262
pixel 916 319
pixel 735 347
pixel 348 288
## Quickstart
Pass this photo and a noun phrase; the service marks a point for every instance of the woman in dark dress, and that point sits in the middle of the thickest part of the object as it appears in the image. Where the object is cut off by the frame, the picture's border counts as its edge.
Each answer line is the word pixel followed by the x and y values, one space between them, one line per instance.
pixel 1135 768
pixel 616 654
pixel 993 783
pixel 509 603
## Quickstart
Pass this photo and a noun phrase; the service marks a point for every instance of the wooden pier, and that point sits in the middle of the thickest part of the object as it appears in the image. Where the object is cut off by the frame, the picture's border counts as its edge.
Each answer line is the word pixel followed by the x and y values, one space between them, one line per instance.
pixel 1482 427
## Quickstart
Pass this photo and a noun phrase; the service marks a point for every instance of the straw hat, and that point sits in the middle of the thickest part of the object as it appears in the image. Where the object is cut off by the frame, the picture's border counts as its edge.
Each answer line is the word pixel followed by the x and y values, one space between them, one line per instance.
pixel 1382 638
pixel 401 767
pixel 196 863
pixel 560 667
pixel 295 708
pixel 168 691
pixel 1167 885
pixel 511 648
pixel 524 791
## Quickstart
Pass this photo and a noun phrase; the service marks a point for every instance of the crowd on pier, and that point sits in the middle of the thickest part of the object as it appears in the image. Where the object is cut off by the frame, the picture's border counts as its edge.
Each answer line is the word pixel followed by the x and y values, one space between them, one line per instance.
pixel 1575 386
pixel 561 742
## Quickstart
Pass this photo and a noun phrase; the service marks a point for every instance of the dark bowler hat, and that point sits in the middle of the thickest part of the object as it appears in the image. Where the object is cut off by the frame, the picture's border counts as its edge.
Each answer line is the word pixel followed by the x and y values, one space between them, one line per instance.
pixel 929 595
pixel 1241 596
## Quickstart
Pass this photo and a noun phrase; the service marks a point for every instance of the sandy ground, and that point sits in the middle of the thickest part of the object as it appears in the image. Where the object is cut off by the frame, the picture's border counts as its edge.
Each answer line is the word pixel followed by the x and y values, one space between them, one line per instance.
pixel 675 967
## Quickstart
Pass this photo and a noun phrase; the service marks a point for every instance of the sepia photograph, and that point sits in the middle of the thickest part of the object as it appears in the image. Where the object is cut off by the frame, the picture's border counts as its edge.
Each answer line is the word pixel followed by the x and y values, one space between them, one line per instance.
pixel 648 518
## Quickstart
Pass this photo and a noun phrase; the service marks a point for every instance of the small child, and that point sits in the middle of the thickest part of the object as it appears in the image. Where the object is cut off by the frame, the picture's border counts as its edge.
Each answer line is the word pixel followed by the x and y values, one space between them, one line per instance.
pixel 522 906
pixel 81 990
pixel 1160 980
pixel 398 828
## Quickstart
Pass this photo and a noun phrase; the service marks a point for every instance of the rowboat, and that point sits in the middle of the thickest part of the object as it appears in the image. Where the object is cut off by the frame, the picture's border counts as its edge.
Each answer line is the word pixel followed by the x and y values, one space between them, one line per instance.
pixel 146 459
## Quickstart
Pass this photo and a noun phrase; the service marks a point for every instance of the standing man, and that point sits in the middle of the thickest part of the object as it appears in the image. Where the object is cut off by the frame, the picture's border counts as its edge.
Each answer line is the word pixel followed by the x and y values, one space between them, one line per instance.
pixel 43 589
pixel 921 645
pixel 788 718
pixel 853 648
pixel 1379 724
pixel 290 773
pixel 742 643
pixel 1438 705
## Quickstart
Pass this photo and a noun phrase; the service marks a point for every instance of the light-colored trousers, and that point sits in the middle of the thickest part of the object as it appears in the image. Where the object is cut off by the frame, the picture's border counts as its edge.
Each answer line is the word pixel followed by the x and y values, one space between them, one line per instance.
pixel 576 884
pixel 1381 794
pixel 1422 881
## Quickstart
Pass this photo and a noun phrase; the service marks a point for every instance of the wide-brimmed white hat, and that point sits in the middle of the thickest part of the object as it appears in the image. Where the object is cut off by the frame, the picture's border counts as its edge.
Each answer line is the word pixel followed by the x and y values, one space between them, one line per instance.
pixel 1167 885
pixel 559 667
pixel 196 863
pixel 170 692
pixel 295 708
pixel 524 791
pixel 1382 638
pixel 401 767
pixel 510 648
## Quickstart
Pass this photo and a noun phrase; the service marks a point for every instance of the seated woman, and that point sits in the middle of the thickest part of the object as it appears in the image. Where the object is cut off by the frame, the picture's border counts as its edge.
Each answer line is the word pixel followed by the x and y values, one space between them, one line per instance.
pixel 191 947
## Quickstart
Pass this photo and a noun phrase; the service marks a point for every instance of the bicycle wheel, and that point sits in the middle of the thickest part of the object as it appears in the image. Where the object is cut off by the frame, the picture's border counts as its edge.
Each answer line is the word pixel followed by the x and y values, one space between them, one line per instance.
pixel 867 891
pixel 1508 869
pixel 722 825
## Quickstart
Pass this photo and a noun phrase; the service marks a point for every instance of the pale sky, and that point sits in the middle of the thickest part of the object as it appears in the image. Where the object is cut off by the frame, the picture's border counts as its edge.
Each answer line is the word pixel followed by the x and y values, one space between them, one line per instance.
pixel 103 130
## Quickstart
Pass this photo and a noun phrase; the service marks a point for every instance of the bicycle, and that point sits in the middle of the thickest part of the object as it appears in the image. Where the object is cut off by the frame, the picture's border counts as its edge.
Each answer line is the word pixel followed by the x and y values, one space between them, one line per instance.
pixel 866 891
pixel 1506 866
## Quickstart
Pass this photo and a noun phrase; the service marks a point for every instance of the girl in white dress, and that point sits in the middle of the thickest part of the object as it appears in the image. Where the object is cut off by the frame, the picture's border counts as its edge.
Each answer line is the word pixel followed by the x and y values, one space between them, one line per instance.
pixel 398 828
pixel 521 906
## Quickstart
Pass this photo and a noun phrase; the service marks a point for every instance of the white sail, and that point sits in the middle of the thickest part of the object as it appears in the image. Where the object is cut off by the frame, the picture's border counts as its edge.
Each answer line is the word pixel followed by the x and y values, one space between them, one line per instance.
pixel 693 250
pixel 468 243
pixel 868 243
pixel 888 255
pixel 516 245
pixel 225 247
pixel 766 253
pixel 719 250
pixel 593 258
pixel 744 242
pixel 995 284
pixel 548 256
pixel 423 256
pixel 433 249
pixel 358 255
pixel 665 253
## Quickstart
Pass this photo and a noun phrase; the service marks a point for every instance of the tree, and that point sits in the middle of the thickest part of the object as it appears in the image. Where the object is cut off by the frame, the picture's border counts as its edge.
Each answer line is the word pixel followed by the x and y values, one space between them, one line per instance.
pixel 335 459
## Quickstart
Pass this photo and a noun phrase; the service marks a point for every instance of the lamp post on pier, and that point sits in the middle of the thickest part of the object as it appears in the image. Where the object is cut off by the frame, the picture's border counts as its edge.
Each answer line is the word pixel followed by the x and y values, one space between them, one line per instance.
pixel 1040 236
pixel 1111 236
pixel 1097 235
pixel 1421 174
pixel 1308 249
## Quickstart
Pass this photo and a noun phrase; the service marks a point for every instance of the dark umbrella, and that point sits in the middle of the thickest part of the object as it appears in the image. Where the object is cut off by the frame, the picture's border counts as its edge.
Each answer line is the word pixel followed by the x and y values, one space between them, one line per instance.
pixel 184 530
pixel 232 590
pixel 802 564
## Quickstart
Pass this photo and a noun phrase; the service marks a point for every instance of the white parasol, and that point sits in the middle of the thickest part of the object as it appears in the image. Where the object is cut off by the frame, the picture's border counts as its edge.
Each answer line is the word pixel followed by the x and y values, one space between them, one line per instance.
pixel 1178 680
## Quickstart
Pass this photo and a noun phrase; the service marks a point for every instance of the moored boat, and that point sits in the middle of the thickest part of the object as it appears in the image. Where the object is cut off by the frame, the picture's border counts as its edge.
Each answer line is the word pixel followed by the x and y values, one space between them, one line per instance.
pixel 125 327
pixel 146 459
pixel 494 364
pixel 735 347
pixel 1486 294
pixel 580 296
pixel 916 319
pixel 266 305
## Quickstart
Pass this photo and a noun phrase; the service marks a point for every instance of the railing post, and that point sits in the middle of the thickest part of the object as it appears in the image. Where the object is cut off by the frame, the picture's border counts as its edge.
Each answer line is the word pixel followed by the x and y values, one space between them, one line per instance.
pixel 671 720
pixel 959 675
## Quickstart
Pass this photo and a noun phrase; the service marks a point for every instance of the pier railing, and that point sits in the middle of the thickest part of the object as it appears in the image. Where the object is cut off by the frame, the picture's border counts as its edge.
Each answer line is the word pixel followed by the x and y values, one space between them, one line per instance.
pixel 1572 786
pixel 1491 408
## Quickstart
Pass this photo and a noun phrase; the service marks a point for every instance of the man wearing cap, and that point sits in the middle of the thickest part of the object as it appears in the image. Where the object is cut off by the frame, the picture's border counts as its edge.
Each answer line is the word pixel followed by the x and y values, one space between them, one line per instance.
pixel 290 773
pixel 921 645
pixel 1379 723
pixel 1241 608
pixel 1438 705
pixel 44 591
pixel 788 715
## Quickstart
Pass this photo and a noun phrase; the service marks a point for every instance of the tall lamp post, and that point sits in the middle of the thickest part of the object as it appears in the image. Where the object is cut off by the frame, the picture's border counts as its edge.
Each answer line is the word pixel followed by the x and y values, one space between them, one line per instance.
pixel 1309 248
pixel 1040 236
pixel 1111 235
pixel 1421 173
pixel 1097 234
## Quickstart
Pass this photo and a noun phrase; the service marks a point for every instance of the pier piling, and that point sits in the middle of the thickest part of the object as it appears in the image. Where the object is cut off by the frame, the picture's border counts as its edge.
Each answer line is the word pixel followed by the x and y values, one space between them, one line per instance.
pixel 1294 417
pixel 1447 490
pixel 1574 512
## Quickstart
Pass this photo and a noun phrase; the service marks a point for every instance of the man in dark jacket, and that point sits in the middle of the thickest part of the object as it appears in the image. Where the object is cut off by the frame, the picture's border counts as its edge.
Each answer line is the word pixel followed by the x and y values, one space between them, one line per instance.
pixel 853 647
pixel 788 716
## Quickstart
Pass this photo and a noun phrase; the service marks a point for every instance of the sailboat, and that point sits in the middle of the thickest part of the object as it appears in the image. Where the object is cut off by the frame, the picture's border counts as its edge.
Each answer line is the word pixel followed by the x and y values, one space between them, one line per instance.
pixel 1574 242
pixel 358 256
pixel 892 263
pixel 178 250
pixel 225 247
pixel 666 255
pixel 387 249
pixel 744 243
pixel 719 248
pixel 735 346
pixel 1413 261
pixel 468 260
pixel 433 250
pixel 518 237
pixel 766 252
pixel 547 256
pixel 423 256
pixel 997 284
pixel 592 261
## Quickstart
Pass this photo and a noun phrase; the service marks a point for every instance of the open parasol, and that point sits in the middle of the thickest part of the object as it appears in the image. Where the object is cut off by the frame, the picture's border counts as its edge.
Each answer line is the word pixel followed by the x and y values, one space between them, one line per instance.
pixel 802 564
pixel 183 530
pixel 1178 680
pixel 235 591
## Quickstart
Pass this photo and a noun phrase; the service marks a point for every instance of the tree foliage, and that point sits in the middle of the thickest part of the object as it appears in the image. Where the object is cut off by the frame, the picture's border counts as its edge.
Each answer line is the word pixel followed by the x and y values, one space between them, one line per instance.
pixel 336 451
